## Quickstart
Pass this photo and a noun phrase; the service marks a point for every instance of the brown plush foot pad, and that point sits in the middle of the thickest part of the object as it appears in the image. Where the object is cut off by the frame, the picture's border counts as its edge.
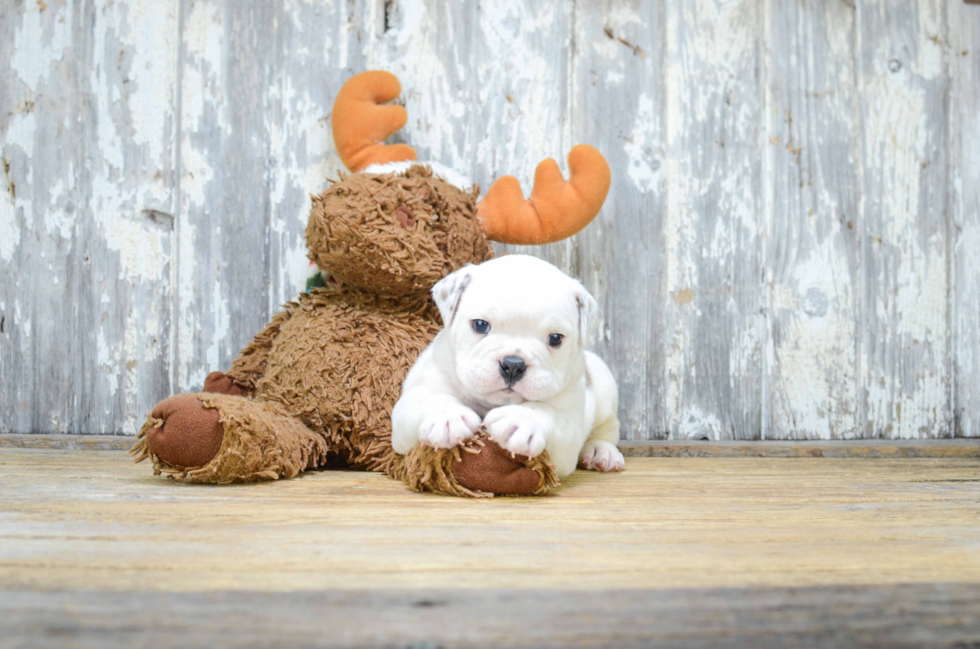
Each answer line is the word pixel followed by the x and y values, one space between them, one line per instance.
pixel 493 470
pixel 190 435
pixel 219 383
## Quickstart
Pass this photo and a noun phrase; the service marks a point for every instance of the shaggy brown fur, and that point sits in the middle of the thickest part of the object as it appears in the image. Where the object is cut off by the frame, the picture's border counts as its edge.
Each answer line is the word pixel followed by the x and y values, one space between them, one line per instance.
pixel 326 372
pixel 354 235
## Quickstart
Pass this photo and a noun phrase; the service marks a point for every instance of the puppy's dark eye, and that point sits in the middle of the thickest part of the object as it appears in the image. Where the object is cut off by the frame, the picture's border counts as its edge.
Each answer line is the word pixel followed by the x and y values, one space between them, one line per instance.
pixel 555 340
pixel 480 326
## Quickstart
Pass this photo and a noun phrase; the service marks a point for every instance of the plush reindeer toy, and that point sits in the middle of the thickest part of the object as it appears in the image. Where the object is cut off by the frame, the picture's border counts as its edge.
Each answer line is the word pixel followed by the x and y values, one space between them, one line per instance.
pixel 317 385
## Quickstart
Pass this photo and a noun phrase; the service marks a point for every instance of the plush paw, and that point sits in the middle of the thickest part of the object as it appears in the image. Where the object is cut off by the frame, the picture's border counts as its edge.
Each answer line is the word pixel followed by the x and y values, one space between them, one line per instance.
pixel 494 470
pixel 601 456
pixel 519 430
pixel 449 426
pixel 186 433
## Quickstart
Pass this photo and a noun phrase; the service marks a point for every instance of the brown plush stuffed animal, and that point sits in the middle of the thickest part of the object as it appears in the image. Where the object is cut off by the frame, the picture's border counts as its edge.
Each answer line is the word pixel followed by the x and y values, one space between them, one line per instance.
pixel 317 385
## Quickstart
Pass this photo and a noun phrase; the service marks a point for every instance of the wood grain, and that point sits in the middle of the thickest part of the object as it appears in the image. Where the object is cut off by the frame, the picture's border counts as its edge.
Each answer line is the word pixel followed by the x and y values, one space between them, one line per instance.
pixel 123 235
pixel 38 206
pixel 223 274
pixel 318 46
pixel 86 126
pixel 93 552
pixel 618 73
pixel 258 82
pixel 714 220
pixel 93 520
pixel 904 95
pixel 812 244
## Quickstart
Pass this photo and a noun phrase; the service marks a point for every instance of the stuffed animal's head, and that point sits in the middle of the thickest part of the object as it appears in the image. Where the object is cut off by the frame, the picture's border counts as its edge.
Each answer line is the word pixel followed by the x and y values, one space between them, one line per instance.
pixel 395 233
pixel 395 227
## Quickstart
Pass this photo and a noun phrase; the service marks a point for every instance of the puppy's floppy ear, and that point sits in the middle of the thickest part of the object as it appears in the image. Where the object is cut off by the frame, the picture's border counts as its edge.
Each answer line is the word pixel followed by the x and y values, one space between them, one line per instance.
pixel 448 292
pixel 588 315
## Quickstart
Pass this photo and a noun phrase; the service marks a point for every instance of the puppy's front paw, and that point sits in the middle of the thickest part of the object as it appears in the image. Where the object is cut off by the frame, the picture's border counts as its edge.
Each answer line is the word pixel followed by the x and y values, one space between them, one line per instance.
pixel 520 430
pixel 601 456
pixel 449 426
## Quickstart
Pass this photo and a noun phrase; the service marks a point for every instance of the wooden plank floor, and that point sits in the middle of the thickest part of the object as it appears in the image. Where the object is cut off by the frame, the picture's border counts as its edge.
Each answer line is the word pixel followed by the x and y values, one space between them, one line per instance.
pixel 895 537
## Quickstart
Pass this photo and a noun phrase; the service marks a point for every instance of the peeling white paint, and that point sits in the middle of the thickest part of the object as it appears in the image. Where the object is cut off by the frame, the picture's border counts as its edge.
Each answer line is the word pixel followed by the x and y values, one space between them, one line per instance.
pixel 203 95
pixel 57 218
pixel 697 425
pixel 136 323
pixel 522 117
pixel 204 34
pixel 142 254
pixel 188 325
pixel 907 379
pixel 109 362
pixel 9 226
pixel 220 328
pixel 814 362
pixel 964 136
pixel 154 56
pixel 929 62
pixel 21 131
pixel 640 147
pixel 41 41
pixel 812 147
pixel 906 335
pixel 713 224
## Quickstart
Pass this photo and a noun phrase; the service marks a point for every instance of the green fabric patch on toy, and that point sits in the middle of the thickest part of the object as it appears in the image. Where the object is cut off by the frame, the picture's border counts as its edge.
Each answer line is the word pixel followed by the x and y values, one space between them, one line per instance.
pixel 315 281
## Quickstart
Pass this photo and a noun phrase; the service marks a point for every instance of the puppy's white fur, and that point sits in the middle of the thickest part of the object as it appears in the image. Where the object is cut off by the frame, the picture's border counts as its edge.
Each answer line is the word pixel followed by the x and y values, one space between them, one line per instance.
pixel 566 400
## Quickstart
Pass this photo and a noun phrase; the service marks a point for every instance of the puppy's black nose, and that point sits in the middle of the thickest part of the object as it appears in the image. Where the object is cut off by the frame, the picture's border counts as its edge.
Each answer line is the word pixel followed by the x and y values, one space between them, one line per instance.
pixel 512 368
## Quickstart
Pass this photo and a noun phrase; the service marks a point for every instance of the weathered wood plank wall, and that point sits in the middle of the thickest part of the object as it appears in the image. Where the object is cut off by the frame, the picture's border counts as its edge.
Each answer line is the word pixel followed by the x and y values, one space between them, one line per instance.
pixel 964 226
pixel 813 266
pixel 786 251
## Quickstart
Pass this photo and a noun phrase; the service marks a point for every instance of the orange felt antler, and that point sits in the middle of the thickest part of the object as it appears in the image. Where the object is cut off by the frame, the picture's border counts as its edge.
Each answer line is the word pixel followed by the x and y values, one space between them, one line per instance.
pixel 361 121
pixel 556 209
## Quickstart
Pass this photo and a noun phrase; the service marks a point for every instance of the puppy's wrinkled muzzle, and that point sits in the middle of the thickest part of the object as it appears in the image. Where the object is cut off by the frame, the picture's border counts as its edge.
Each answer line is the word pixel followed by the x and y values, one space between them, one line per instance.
pixel 512 368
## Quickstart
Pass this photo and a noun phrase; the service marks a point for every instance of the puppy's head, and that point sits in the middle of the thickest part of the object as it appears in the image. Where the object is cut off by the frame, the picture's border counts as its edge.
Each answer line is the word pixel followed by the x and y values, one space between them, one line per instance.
pixel 518 328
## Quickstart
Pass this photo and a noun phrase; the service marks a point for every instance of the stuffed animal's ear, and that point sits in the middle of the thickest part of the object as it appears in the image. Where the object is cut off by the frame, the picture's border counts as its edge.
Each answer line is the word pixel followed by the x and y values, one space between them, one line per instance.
pixel 589 316
pixel 448 292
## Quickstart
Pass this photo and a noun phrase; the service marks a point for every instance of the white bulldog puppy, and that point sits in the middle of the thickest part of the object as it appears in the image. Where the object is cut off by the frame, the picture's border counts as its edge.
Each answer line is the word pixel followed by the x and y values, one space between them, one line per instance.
pixel 512 357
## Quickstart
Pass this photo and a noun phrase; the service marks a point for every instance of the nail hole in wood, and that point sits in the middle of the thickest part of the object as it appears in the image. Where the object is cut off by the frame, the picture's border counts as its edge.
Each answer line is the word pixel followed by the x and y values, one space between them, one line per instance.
pixel 388 6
